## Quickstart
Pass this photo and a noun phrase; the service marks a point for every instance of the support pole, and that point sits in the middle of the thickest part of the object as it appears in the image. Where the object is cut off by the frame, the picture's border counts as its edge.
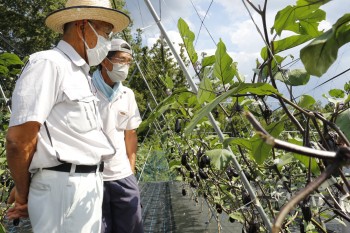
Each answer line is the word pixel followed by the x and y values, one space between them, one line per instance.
pixel 5 99
pixel 194 88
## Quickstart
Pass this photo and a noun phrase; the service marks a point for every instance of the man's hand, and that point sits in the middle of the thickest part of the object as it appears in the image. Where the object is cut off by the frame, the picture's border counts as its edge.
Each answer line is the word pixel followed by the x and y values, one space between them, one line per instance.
pixel 20 209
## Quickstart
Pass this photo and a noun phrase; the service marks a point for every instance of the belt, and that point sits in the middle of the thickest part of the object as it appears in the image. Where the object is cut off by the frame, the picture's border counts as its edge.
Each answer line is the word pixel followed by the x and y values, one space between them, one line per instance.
pixel 66 167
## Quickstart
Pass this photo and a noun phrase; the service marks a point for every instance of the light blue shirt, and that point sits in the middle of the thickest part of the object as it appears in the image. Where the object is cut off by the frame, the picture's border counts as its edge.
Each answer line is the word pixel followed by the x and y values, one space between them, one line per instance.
pixel 108 92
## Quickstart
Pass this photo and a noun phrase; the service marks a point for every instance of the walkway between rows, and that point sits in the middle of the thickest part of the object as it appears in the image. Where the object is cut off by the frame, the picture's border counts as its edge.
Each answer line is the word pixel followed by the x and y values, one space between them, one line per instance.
pixel 166 210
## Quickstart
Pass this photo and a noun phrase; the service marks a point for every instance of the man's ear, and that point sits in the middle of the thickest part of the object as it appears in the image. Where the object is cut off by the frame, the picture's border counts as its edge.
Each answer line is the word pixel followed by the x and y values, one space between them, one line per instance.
pixel 81 27
pixel 104 63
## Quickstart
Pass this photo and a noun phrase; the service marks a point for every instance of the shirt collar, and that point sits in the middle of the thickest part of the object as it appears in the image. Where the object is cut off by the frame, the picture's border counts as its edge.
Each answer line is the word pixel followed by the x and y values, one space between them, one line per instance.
pixel 107 91
pixel 73 55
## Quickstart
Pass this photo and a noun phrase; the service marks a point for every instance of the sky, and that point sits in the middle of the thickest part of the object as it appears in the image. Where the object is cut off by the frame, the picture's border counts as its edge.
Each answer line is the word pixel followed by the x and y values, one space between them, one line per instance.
pixel 230 21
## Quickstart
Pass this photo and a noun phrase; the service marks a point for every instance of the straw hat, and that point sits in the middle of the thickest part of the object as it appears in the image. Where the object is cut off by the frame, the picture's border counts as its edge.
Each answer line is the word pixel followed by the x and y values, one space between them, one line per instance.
pixel 87 9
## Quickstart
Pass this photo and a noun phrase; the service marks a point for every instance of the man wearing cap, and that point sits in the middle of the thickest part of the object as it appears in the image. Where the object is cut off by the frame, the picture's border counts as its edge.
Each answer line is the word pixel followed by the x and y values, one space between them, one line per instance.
pixel 121 209
pixel 55 143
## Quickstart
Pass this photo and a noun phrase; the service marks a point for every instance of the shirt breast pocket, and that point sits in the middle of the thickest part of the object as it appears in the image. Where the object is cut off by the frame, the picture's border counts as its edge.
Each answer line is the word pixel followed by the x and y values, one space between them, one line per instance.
pixel 122 119
pixel 81 116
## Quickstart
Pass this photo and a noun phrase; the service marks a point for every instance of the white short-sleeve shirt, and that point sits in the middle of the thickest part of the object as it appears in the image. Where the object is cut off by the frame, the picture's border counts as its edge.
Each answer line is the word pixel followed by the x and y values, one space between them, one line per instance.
pixel 119 115
pixel 55 87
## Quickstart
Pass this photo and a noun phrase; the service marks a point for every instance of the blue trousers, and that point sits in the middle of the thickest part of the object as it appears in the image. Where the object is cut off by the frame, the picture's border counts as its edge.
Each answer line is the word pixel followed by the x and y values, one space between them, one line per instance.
pixel 121 208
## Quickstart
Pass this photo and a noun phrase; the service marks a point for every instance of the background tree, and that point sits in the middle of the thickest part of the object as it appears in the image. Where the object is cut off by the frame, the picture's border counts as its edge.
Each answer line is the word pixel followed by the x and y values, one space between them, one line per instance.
pixel 23 24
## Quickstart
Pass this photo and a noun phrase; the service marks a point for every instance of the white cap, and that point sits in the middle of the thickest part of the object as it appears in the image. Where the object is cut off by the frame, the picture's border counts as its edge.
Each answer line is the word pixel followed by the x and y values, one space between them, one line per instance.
pixel 120 45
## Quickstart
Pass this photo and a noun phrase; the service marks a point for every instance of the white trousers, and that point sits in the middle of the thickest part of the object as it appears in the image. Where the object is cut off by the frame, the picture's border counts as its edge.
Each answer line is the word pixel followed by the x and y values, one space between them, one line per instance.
pixel 60 202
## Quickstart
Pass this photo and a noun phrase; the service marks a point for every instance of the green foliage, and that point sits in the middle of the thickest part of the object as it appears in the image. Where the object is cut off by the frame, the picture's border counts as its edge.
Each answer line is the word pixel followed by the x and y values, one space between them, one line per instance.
pixel 9 60
pixel 205 91
pixel 219 158
pixel 304 159
pixel 243 142
pixel 260 149
pixel 165 105
pixel 337 93
pixel 321 53
pixel 224 70
pixel 155 168
pixel 208 61
pixel 188 37
pixel 343 122
pixel 285 44
pixel 266 168
pixel 306 101
pixel 23 24
pixel 242 88
pixel 297 77
pixel 161 73
pixel 302 18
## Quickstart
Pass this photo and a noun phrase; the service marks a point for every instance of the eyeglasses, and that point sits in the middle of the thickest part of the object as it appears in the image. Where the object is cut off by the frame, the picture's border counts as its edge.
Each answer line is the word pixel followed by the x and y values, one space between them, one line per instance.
pixel 105 29
pixel 122 61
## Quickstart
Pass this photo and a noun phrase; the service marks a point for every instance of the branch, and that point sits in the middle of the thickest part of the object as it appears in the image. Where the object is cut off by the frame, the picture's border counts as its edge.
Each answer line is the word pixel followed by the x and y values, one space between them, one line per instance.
pixel 302 194
pixel 286 145
pixel 342 157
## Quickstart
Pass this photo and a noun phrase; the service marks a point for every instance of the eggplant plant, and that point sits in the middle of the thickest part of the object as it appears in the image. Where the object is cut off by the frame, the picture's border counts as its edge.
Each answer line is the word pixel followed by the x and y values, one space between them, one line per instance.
pixel 291 156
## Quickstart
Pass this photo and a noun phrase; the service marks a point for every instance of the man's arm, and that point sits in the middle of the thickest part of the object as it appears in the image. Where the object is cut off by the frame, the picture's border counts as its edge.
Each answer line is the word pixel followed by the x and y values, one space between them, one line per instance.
pixel 131 147
pixel 21 143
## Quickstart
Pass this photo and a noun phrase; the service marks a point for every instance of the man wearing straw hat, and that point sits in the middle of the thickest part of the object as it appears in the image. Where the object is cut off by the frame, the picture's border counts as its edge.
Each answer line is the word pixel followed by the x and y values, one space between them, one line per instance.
pixel 55 144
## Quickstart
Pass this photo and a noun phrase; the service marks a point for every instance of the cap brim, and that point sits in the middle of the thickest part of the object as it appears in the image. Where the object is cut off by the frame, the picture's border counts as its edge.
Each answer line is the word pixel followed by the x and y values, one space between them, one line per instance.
pixel 57 19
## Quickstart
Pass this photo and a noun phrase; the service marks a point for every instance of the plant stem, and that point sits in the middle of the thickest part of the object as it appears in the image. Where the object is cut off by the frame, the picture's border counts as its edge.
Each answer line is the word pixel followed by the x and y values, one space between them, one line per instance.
pixel 302 194
pixel 285 145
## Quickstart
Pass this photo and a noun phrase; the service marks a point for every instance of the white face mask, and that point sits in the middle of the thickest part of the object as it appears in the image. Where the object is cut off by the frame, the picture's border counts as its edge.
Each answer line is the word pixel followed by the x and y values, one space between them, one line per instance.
pixel 100 51
pixel 119 72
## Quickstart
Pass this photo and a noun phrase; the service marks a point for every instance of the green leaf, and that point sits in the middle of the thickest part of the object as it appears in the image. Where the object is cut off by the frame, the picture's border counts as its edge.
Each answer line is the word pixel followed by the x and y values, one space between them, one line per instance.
pixel 238 216
pixel 284 160
pixel 188 37
pixel 4 70
pixel 2 228
pixel 306 101
pixel 169 82
pixel 219 158
pixel 347 87
pixel 310 227
pixel 242 88
pixel 224 69
pixel 165 105
pixel 275 66
pixel 238 142
pixel 205 91
pixel 343 122
pixel 302 18
pixel 286 43
pixel 8 59
pixel 295 77
pixel 305 159
pixel 260 149
pixel 173 164
pixel 334 100
pixel 2 160
pixel 321 53
pixel 208 61
pixel 337 93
